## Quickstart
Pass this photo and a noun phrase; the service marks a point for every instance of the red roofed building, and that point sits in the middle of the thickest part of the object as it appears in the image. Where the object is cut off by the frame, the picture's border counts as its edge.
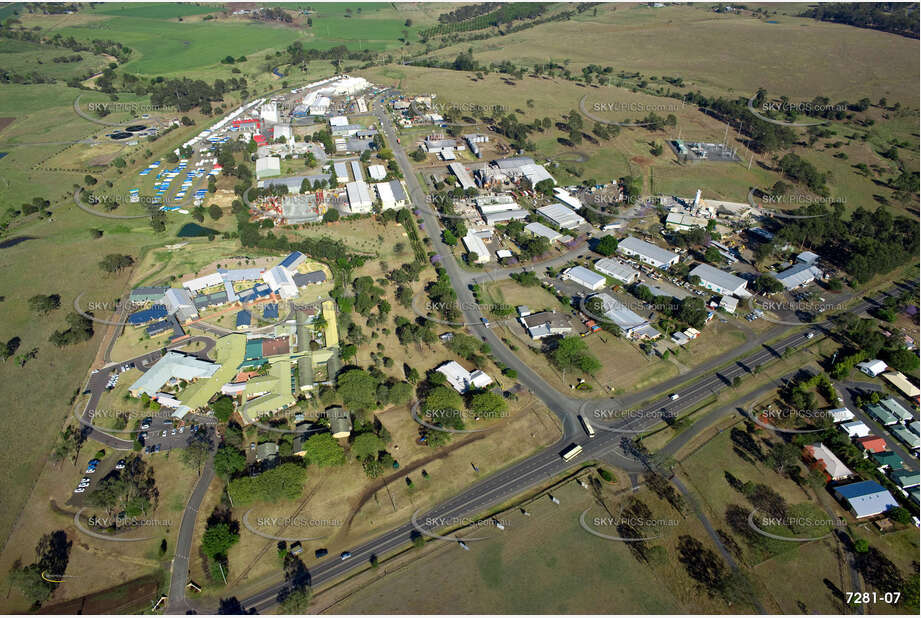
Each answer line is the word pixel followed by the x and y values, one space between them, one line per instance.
pixel 874 444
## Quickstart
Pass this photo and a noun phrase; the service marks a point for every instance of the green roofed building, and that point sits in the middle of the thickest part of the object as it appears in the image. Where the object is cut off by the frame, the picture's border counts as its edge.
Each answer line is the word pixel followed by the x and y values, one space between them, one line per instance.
pixel 896 409
pixel 228 351
pixel 906 479
pixel 305 376
pixel 888 459
pixel 269 393
pixel 881 414
pixel 905 436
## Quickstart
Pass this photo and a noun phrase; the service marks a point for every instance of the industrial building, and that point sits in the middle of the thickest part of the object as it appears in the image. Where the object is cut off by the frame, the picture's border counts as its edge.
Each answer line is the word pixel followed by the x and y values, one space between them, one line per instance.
pixel 616 270
pixel 477 248
pixel 632 325
pixel 566 198
pixel 719 281
pixel 866 498
pixel 377 172
pixel 502 216
pixel 463 176
pixel 391 194
pixel 267 167
pixel 561 216
pixel 539 229
pixel 584 277
pixel 359 197
pixel 356 170
pixel 803 272
pixel 647 253
pixel 496 203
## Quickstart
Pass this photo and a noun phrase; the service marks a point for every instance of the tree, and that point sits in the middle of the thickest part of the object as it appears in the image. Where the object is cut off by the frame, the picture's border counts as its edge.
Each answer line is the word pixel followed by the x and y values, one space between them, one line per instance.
pixel 215 212
pixel 900 514
pixel 400 393
pixel 217 539
pixel 571 354
pixel 766 284
pixel 31 584
pixel 358 389
pixel 367 445
pixel 712 255
pixel 607 245
pixel 222 408
pixel 323 450
pixel 115 262
pixel 488 405
pixel 41 303
pixel 331 216
pixel 229 460
pixel 297 601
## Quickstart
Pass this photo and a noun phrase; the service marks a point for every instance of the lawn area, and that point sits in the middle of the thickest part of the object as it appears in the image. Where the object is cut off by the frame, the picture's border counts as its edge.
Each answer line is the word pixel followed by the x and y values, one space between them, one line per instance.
pixel 567 571
pixel 49 510
pixel 351 509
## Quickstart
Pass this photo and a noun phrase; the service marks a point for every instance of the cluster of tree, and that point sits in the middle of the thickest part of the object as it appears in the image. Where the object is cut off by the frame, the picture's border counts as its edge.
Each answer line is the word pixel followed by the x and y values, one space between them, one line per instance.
pixel 299 56
pixel 67 59
pixel 865 340
pixel 114 262
pixel 184 94
pixel 52 556
pixel 369 447
pixel 886 16
pixel 442 406
pixel 221 533
pixel 272 14
pixel 37 204
pixel 96 46
pixel 43 303
pixel 796 168
pixel 365 391
pixel 690 310
pixel 477 19
pixel 468 11
pixel 283 482
pixel 571 354
pixel 469 347
pixel 79 329
pixel 868 244
pixel 132 490
pixel 530 245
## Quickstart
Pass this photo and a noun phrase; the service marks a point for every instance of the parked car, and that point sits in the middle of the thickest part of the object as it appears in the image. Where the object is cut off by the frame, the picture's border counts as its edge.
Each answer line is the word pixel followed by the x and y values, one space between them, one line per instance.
pixel 320 552
pixel 79 490
pixel 157 448
pixel 252 446
pixel 145 424
pixel 163 434
pixel 120 465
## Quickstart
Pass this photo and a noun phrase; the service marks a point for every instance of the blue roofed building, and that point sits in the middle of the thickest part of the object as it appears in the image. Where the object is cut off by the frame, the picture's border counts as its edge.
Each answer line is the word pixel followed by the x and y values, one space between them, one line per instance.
pixel 866 498
pixel 157 312
pixel 244 319
pixel 270 312
pixel 294 260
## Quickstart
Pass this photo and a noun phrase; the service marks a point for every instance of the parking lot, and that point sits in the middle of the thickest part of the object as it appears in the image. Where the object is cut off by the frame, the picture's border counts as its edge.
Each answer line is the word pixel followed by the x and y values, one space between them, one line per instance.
pixel 165 433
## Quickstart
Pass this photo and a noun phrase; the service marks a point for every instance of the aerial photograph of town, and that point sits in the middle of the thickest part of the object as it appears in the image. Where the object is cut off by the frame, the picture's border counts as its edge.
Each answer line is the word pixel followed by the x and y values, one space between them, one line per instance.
pixel 460 308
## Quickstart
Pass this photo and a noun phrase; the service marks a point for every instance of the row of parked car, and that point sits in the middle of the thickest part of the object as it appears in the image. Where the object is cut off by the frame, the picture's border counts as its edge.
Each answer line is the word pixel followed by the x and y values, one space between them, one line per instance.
pixel 91 469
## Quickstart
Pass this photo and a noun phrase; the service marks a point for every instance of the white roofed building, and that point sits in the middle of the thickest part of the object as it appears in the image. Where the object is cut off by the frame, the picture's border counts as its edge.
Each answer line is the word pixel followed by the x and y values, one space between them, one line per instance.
pixel 377 172
pixel 281 282
pixel 477 248
pixel 585 277
pixel 359 197
pixel 616 270
pixel 461 379
pixel 647 253
pixel 719 281
pixel 561 216
pixel 268 167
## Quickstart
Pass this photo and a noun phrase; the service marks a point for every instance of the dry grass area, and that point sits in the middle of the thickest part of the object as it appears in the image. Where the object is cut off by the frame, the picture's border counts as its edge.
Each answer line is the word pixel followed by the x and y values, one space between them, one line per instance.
pixel 542 563
pixel 351 509
pixel 96 564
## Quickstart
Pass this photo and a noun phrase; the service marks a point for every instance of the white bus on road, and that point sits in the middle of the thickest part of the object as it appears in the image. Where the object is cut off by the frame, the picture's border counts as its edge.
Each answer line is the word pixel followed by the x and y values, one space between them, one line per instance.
pixel 572 452
pixel 587 426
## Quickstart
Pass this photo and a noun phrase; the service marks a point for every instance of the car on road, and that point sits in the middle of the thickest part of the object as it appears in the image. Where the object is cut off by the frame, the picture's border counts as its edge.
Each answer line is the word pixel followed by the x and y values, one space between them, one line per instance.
pixel 252 446
pixel 345 555
pixel 810 335
pixel 674 396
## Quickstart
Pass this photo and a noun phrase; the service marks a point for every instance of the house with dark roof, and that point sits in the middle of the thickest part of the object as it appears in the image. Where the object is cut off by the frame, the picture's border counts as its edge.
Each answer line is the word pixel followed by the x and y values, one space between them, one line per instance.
pixel 244 319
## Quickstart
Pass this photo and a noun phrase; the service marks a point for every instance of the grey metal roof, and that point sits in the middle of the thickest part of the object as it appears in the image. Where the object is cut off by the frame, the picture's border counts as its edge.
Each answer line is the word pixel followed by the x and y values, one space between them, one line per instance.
pixel 718 277
pixel 648 250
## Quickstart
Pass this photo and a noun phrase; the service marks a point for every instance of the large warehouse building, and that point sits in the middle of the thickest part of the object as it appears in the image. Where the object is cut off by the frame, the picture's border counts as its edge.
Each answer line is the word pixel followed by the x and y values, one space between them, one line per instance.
pixel 647 253
pixel 719 281
pixel 561 216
